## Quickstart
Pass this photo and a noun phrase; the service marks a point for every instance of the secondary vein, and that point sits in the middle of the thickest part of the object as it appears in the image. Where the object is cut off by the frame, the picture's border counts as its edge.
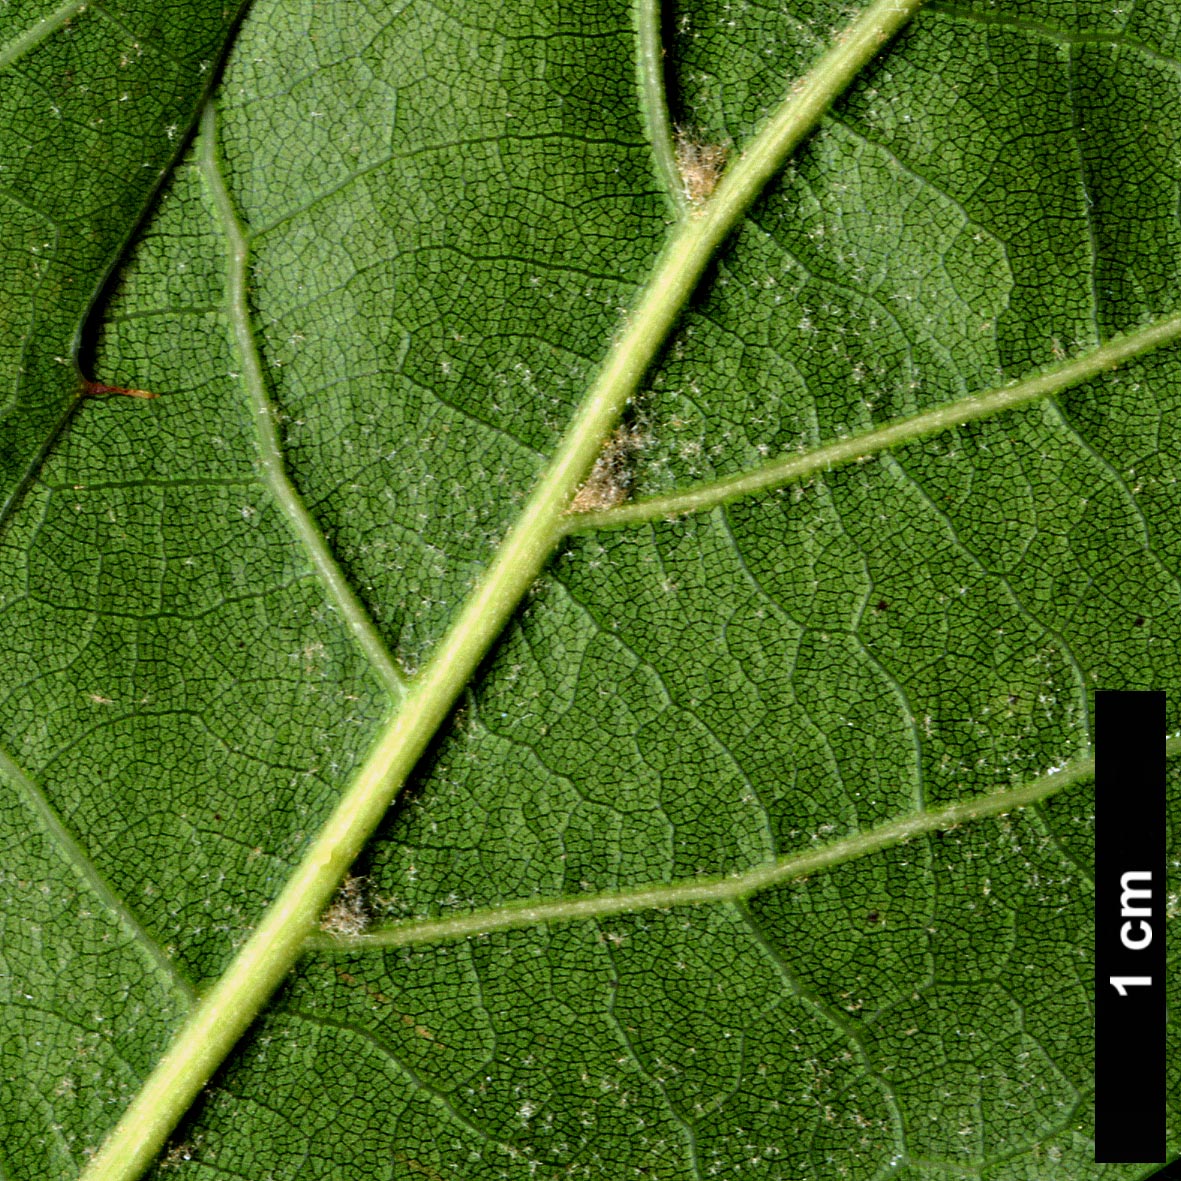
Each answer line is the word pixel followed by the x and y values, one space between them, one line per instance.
pixel 270 452
pixel 699 891
pixel 791 468
pixel 35 34
pixel 88 873
pixel 654 101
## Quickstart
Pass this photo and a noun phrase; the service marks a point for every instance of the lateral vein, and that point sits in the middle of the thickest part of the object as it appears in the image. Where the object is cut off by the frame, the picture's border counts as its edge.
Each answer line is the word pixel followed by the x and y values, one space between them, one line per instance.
pixel 699 891
pixel 15 49
pixel 92 879
pixel 270 452
pixel 654 102
pixel 789 469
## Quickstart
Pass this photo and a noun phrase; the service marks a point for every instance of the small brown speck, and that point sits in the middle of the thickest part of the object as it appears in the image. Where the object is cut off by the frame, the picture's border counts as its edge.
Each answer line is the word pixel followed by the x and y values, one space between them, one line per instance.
pixel 96 389
pixel 609 483
pixel 700 165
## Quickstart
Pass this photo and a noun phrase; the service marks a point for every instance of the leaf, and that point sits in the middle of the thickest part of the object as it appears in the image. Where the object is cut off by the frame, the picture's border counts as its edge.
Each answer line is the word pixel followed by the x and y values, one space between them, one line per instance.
pixel 96 102
pixel 758 844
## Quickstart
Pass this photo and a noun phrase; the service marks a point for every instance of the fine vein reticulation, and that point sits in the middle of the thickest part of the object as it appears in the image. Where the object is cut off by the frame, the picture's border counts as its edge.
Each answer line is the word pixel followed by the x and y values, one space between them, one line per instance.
pixel 718 889
pixel 232 1004
pixel 424 702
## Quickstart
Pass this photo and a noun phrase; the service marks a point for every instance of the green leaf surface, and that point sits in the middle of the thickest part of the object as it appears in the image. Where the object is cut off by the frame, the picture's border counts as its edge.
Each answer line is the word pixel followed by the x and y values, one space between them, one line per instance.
pixel 95 102
pixel 758 844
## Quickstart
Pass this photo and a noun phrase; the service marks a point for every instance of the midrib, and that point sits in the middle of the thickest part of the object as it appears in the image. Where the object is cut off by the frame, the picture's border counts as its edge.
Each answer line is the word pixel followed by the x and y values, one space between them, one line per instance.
pixel 425 702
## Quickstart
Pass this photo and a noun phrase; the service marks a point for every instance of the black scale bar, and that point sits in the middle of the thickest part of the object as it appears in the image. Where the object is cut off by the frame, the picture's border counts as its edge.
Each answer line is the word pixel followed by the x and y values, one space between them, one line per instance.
pixel 1129 927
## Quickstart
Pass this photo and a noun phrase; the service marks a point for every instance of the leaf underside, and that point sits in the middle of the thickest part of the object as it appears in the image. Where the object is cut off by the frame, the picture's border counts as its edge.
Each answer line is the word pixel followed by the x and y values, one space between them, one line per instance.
pixel 97 100
pixel 449 208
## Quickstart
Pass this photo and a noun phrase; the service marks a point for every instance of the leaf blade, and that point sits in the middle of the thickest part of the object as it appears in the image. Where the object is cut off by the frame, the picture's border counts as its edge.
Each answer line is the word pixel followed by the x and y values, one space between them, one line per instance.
pixel 685 697
pixel 97 102
pixel 232 1004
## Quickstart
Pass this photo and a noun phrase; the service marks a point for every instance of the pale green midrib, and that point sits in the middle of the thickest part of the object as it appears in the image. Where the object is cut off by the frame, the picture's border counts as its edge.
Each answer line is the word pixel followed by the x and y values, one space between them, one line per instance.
pixel 231 1004
pixel 782 471
pixel 654 102
pixel 271 463
pixel 15 49
pixel 93 880
pixel 697 891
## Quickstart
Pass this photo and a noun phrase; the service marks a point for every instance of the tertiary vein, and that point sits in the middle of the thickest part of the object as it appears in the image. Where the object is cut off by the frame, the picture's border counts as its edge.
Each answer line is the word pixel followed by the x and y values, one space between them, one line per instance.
pixel 700 890
pixel 229 1007
pixel 789 469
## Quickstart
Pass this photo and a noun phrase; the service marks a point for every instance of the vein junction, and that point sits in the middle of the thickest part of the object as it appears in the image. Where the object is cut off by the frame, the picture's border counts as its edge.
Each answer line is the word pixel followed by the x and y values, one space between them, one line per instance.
pixel 791 468
pixel 425 702
pixel 699 891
